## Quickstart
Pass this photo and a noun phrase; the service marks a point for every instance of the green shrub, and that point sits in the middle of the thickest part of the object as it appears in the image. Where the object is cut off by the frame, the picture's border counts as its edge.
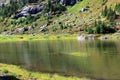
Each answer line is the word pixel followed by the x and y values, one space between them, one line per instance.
pixel 4 70
pixel 90 30
pixel 102 28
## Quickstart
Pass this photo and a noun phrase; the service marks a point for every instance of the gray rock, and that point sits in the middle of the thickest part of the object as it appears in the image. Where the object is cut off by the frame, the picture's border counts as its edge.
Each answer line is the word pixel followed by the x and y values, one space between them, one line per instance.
pixel 4 2
pixel 82 37
pixel 84 9
pixel 30 10
pixel 43 28
pixel 68 2
pixel 20 30
pixel 104 38
pixel 30 28
pixel 7 33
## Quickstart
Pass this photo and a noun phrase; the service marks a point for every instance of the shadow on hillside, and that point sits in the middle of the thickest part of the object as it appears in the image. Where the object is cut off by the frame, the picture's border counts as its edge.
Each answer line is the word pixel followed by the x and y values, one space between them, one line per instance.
pixel 8 78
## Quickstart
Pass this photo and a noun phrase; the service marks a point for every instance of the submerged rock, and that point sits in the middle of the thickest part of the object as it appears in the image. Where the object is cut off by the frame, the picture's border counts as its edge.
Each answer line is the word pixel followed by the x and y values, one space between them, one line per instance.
pixel 82 37
pixel 104 38
pixel 86 37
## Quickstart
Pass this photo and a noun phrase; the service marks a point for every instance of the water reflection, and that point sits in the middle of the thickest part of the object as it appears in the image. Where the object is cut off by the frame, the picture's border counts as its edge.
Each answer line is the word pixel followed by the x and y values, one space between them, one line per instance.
pixel 96 59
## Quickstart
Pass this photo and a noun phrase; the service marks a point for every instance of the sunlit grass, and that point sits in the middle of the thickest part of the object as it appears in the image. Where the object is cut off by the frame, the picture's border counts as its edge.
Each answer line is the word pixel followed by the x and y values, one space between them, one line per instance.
pixel 115 36
pixel 35 37
pixel 26 75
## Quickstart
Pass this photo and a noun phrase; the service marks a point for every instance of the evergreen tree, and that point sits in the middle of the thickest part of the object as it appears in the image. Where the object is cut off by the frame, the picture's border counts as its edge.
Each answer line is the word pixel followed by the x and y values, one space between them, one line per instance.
pixel 104 12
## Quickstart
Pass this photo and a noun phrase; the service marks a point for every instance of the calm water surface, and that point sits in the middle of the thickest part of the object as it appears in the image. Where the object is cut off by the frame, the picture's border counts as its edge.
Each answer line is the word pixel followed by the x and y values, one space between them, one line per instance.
pixel 95 59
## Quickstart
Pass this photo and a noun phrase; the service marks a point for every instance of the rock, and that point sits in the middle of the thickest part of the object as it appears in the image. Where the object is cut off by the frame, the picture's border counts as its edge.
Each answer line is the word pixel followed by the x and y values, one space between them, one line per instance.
pixel 30 10
pixel 43 28
pixel 104 38
pixel 91 37
pixel 7 33
pixel 4 2
pixel 36 9
pixel 68 2
pixel 20 30
pixel 30 28
pixel 82 37
pixel 83 9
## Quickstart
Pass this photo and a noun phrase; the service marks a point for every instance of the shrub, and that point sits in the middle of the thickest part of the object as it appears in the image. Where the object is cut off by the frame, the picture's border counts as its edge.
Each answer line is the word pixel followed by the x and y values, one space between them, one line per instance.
pixel 101 28
pixel 4 70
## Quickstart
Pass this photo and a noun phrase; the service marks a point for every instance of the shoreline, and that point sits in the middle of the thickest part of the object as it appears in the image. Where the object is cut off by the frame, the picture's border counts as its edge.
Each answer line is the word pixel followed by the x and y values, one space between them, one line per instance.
pixel 22 74
pixel 37 37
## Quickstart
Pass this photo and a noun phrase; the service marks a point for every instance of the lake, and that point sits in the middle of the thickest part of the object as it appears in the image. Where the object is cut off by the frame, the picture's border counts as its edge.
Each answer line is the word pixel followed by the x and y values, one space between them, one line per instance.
pixel 94 59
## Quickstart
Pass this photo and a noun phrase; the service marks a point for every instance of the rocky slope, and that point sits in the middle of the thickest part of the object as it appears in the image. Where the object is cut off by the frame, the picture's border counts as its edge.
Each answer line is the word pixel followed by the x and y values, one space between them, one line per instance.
pixel 4 2
pixel 68 2
pixel 79 14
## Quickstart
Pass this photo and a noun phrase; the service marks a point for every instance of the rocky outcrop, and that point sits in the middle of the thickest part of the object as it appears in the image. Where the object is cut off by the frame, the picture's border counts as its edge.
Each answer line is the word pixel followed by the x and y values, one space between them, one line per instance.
pixel 83 37
pixel 68 2
pixel 30 10
pixel 4 2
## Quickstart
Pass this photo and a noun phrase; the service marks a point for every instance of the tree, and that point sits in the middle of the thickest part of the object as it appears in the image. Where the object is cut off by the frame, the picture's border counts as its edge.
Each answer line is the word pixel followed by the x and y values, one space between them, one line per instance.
pixel 104 12
pixel 117 8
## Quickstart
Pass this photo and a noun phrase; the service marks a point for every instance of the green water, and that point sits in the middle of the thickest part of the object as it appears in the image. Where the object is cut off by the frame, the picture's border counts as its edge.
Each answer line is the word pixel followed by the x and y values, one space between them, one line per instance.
pixel 94 59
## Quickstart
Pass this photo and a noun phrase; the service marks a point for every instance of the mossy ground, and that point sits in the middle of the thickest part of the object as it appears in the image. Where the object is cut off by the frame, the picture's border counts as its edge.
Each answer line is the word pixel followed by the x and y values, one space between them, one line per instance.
pixel 23 74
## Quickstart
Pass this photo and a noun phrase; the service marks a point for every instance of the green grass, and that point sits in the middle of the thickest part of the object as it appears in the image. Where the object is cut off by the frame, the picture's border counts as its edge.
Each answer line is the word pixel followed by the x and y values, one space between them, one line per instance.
pixel 4 38
pixel 115 36
pixel 23 74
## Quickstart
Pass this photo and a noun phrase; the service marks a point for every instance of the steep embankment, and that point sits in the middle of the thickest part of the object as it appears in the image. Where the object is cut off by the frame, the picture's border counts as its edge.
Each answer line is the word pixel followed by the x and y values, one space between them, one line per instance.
pixel 73 20
pixel 78 17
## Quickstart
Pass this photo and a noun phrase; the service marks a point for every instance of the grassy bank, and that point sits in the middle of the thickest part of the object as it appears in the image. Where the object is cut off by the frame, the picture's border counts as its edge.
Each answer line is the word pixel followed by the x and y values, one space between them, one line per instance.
pixel 115 36
pixel 3 38
pixel 27 75
pixel 36 37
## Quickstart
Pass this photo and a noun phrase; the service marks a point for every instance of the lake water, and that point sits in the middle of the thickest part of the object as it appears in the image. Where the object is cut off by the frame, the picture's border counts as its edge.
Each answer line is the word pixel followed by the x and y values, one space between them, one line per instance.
pixel 94 59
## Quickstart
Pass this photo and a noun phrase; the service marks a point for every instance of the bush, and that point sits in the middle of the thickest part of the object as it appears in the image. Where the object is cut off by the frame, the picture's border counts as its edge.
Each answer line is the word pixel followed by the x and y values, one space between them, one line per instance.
pixel 54 28
pixel 90 30
pixel 117 7
pixel 109 13
pixel 101 28
pixel 4 70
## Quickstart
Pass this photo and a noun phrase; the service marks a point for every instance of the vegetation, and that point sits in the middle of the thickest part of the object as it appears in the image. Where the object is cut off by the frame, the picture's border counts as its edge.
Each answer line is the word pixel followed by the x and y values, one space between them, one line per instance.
pixel 8 10
pixel 26 75
pixel 72 20
pixel 109 13
pixel 4 38
pixel 105 27
pixel 100 27
pixel 54 8
pixel 117 7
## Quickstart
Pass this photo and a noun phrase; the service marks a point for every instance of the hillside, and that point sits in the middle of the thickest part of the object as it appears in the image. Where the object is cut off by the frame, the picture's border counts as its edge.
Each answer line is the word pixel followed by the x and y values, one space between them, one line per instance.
pixel 73 20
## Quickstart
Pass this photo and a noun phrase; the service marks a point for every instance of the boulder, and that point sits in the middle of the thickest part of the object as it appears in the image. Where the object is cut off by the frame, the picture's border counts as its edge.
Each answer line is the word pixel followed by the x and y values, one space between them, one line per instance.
pixel 68 2
pixel 104 38
pixel 36 9
pixel 84 9
pixel 30 10
pixel 7 33
pixel 30 28
pixel 82 37
pixel 20 30
pixel 43 28
pixel 4 2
